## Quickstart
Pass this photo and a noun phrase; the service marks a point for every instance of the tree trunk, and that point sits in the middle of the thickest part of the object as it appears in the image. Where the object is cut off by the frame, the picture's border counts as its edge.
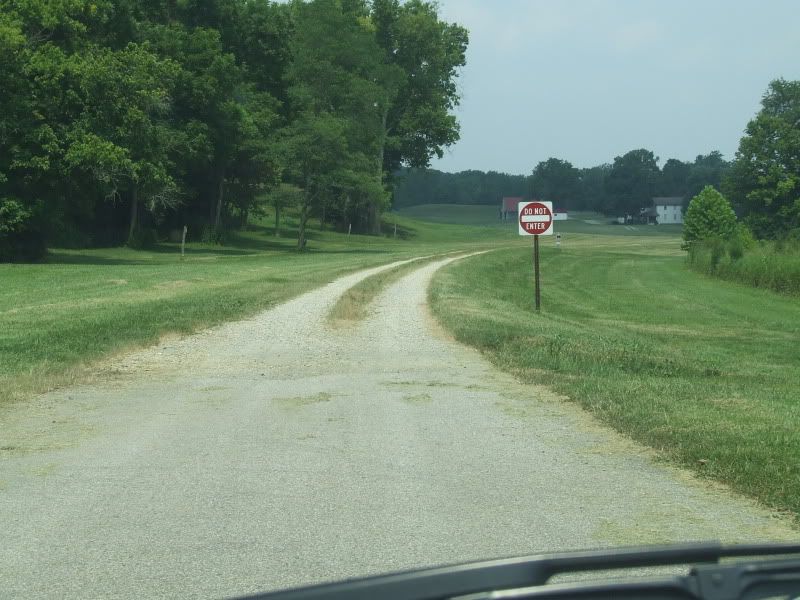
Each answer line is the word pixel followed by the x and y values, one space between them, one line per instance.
pixel 373 219
pixel 277 220
pixel 304 210
pixel 374 212
pixel 301 237
pixel 220 199
pixel 134 221
pixel 322 217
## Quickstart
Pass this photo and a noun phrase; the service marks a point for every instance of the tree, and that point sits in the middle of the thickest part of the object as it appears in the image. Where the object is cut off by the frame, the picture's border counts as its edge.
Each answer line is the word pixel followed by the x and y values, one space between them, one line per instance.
pixel 282 196
pixel 426 52
pixel 631 183
pixel 707 169
pixel 316 149
pixel 709 217
pixel 118 116
pixel 429 186
pixel 121 139
pixel 338 76
pixel 674 177
pixel 593 187
pixel 558 181
pixel 765 178
pixel 18 147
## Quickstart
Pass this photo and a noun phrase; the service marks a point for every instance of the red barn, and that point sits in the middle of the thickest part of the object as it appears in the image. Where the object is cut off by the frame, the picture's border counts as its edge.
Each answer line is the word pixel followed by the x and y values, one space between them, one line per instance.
pixel 508 210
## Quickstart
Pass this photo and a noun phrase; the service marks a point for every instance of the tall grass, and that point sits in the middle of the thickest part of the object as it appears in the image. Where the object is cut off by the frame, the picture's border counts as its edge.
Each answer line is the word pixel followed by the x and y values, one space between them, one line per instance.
pixel 770 265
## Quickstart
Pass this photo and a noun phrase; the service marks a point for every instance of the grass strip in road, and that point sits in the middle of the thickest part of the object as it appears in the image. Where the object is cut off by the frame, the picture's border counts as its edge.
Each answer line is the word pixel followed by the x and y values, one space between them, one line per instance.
pixel 705 371
pixel 353 305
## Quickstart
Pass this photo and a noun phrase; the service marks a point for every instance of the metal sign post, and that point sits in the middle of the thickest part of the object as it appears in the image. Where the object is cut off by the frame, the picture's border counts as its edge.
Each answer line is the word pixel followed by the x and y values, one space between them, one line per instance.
pixel 537 292
pixel 536 218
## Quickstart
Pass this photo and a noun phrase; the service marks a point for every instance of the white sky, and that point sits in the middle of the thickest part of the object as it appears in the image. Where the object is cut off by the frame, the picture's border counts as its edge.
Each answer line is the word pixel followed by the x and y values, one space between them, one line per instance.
pixel 588 80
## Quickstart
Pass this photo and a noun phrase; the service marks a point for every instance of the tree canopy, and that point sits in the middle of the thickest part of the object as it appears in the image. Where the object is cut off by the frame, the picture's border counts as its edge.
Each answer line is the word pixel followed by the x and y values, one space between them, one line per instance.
pixel 121 120
pixel 765 179
pixel 709 216
pixel 612 189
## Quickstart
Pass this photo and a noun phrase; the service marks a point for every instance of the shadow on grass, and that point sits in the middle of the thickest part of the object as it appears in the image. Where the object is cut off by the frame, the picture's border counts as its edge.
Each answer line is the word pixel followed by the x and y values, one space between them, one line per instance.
pixel 402 232
pixel 237 246
pixel 254 239
pixel 143 257
pixel 70 257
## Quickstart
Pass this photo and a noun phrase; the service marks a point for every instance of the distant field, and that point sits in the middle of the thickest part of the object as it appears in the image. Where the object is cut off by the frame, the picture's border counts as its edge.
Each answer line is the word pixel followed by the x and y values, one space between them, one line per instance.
pixel 488 216
pixel 81 305
pixel 705 371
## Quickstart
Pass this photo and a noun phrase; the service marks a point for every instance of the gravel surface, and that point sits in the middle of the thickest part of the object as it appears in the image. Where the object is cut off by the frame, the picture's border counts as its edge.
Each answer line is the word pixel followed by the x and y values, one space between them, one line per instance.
pixel 274 452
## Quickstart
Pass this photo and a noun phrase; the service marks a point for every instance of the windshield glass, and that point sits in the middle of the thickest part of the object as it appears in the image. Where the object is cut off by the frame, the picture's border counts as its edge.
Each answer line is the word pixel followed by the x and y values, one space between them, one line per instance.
pixel 296 292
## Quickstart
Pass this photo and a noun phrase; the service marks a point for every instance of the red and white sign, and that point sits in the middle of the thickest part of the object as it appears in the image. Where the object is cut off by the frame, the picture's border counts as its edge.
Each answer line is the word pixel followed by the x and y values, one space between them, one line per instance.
pixel 535 218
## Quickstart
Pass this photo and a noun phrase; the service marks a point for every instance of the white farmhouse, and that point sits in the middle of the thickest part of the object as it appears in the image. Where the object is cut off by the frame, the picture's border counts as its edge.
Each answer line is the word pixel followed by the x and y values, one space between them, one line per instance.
pixel 668 209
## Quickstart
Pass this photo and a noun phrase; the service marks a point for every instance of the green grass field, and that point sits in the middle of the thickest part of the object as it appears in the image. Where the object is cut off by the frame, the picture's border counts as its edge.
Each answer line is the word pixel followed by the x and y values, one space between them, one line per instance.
pixel 57 317
pixel 705 371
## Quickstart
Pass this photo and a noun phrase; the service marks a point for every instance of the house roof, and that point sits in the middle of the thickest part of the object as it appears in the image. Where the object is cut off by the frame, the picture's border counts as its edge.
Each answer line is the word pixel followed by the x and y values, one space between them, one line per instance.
pixel 510 202
pixel 668 201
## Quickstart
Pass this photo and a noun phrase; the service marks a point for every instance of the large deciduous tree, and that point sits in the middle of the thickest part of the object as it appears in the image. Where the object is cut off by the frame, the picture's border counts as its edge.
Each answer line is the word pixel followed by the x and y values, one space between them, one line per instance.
pixel 631 183
pixel 558 181
pixel 765 178
pixel 338 76
pixel 118 116
pixel 122 139
pixel 417 123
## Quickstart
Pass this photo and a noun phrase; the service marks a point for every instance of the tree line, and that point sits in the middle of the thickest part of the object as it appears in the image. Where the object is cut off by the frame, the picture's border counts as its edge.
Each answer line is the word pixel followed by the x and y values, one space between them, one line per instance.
pixel 620 188
pixel 122 120
pixel 762 181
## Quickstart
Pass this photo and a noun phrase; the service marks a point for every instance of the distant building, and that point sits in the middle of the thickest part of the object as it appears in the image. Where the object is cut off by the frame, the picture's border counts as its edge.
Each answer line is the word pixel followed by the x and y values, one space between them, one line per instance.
pixel 648 216
pixel 669 210
pixel 559 214
pixel 508 208
pixel 663 211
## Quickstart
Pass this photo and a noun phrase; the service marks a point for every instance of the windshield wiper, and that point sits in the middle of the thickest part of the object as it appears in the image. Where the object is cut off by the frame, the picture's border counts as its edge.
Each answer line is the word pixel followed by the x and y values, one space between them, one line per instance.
pixel 528 576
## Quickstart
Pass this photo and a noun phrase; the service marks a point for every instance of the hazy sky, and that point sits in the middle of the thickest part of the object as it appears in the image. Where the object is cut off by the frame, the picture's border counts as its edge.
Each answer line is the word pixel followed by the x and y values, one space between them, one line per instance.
pixel 588 80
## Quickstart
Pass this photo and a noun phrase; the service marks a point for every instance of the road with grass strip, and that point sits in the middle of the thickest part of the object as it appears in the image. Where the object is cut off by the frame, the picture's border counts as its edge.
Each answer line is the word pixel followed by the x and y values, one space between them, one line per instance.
pixel 279 451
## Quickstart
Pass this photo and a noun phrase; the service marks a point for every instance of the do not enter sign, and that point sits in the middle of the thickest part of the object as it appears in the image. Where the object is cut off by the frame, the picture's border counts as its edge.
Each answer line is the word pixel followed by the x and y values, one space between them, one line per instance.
pixel 535 218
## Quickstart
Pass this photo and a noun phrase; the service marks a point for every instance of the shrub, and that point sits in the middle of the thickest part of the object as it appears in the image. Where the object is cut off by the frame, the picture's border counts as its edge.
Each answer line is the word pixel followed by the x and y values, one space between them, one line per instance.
pixel 740 241
pixel 709 216
pixel 769 265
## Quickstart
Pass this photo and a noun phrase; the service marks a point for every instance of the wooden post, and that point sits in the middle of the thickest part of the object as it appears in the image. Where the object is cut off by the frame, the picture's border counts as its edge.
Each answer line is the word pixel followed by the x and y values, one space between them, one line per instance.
pixel 536 272
pixel 183 242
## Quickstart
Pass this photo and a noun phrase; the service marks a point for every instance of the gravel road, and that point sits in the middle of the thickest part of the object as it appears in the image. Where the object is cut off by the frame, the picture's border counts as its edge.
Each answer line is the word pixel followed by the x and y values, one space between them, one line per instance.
pixel 275 451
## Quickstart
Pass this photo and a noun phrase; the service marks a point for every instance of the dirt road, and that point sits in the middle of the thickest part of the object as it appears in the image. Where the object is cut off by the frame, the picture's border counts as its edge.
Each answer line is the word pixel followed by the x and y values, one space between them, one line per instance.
pixel 276 451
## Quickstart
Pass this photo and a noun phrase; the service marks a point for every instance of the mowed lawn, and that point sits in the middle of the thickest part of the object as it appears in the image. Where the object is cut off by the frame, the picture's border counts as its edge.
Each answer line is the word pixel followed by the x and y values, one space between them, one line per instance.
pixel 57 317
pixel 705 371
